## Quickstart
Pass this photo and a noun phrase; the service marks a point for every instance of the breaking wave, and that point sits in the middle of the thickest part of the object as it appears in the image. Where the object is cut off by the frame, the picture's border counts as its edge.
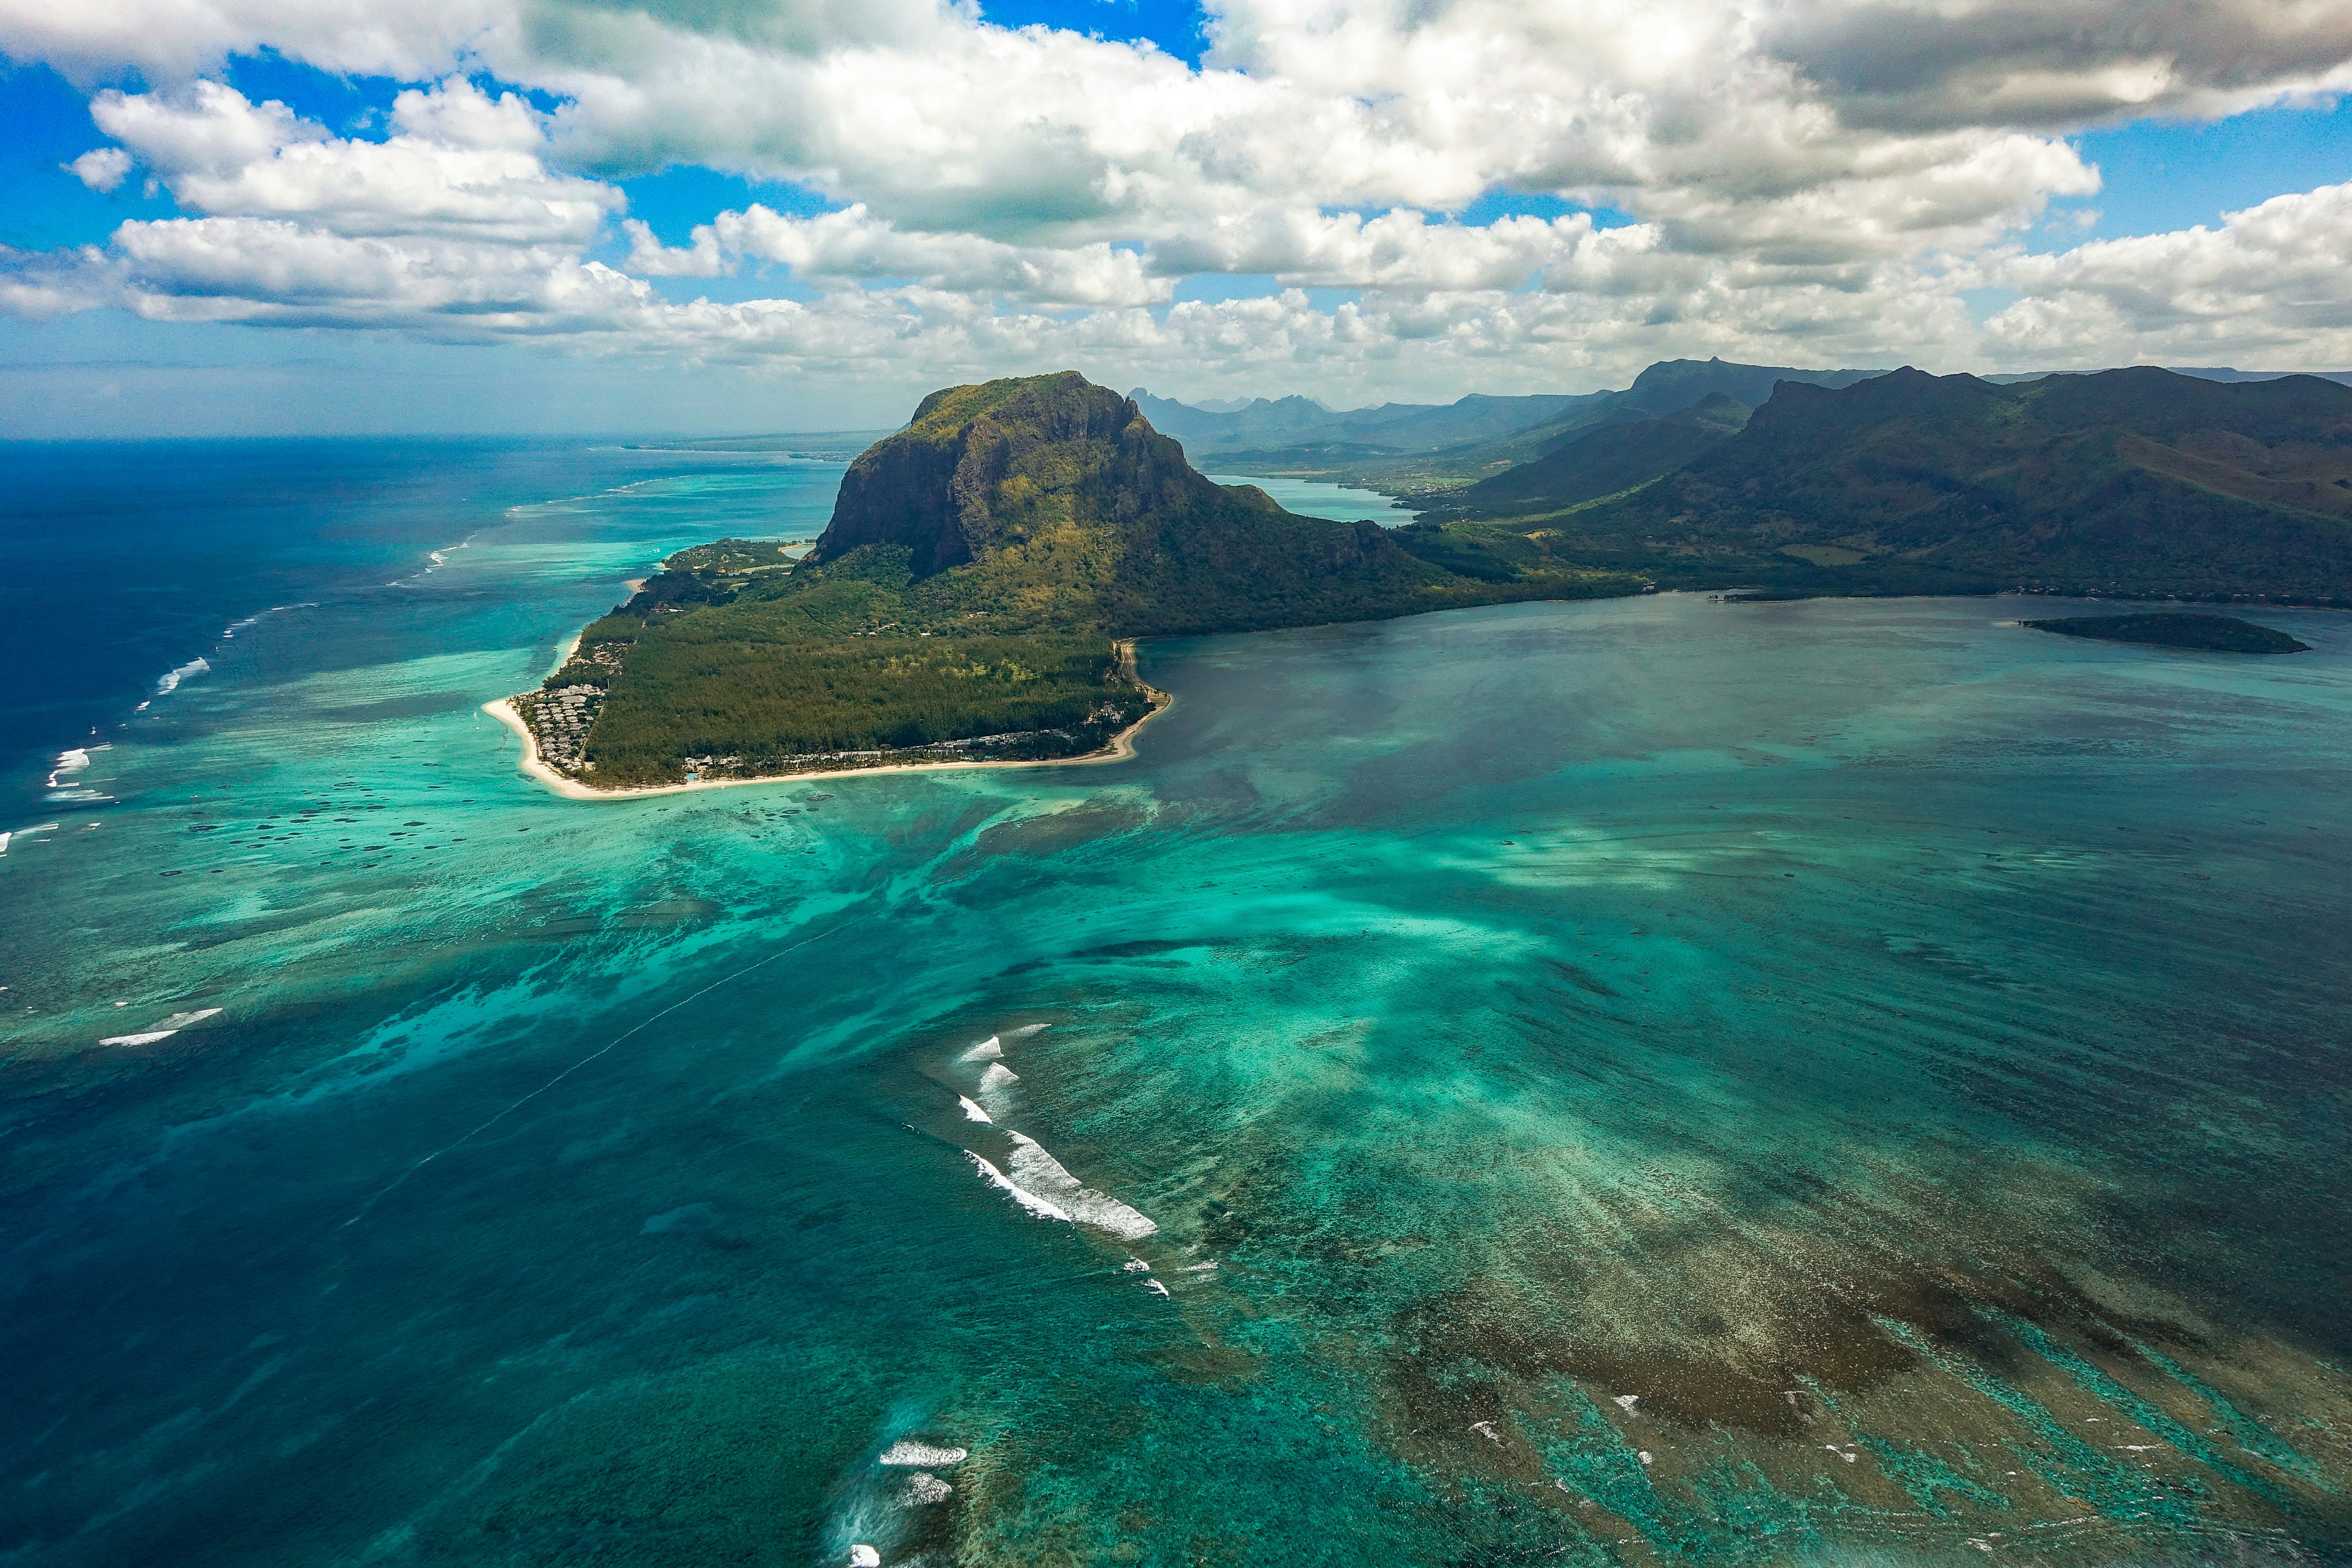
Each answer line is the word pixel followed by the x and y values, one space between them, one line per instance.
pixel 230 631
pixel 1019 1194
pixel 162 1031
pixel 1041 1174
pixel 922 1455
pixel 61 772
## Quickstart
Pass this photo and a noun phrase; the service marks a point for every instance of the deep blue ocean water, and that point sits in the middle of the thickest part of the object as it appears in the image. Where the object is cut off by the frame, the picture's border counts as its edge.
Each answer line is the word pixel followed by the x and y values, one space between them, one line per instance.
pixel 1634 1082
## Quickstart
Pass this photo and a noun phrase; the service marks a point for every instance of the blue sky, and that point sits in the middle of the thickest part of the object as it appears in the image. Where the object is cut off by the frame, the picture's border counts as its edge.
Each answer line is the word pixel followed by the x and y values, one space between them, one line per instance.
pixel 597 239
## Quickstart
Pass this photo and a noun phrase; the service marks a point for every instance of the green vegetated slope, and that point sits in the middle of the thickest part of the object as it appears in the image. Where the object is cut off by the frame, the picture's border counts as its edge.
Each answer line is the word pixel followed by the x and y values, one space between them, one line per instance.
pixel 965 600
pixel 1607 461
pixel 2128 482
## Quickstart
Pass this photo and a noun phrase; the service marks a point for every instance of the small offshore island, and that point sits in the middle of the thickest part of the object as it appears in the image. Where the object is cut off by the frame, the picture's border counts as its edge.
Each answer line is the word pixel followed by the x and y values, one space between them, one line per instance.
pixel 973 601
pixel 2201 634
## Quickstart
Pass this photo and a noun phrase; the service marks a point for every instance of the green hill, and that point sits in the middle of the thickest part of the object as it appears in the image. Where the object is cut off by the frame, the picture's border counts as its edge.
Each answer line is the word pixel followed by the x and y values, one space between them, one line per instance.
pixel 967 598
pixel 2129 482
pixel 1607 461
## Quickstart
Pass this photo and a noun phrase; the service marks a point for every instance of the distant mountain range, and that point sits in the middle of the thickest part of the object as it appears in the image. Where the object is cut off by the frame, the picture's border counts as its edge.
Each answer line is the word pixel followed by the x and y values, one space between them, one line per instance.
pixel 1407 448
pixel 1422 450
pixel 1400 427
pixel 2138 482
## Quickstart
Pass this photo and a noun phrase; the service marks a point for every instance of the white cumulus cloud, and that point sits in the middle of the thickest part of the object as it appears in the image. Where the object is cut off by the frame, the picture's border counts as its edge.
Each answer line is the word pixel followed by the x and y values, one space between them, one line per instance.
pixel 2266 286
pixel 101 168
pixel 1814 181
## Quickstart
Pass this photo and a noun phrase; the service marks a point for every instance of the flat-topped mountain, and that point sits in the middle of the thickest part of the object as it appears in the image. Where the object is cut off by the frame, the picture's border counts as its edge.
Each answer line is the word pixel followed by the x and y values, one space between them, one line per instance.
pixel 1049 500
pixel 966 600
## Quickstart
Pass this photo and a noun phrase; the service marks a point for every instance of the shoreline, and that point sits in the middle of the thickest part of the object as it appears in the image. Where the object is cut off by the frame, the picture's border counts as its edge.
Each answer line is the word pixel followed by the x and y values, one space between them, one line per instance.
pixel 1120 748
pixel 565 656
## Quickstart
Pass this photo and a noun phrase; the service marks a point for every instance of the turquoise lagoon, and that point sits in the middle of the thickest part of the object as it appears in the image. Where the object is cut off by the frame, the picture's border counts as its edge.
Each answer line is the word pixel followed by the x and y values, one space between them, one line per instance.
pixel 1313 498
pixel 1651 1080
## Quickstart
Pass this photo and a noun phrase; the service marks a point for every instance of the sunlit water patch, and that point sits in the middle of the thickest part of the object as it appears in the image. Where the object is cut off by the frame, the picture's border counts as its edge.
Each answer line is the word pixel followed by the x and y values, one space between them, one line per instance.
pixel 1313 498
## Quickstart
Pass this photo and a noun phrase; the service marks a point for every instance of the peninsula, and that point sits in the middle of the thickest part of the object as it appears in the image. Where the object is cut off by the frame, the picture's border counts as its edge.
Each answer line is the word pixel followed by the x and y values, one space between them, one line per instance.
pixel 973 601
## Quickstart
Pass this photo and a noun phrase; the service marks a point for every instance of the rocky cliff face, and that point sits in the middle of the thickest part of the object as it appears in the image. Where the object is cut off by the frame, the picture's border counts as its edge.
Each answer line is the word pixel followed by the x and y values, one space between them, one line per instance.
pixel 1050 488
pixel 983 466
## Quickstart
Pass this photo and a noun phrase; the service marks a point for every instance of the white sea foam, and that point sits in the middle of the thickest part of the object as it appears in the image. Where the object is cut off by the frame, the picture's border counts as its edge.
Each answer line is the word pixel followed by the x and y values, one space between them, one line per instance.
pixel 1025 1030
pixel 188 671
pixel 437 559
pixel 922 1489
pixel 988 1050
pixel 997 1076
pixel 1020 1194
pixel 1136 1266
pixel 72 762
pixel 863 1557
pixel 1627 1401
pixel 1039 1171
pixel 162 1031
pixel 229 632
pixel 1155 1287
pixel 3 842
pixel 905 1451
pixel 971 1110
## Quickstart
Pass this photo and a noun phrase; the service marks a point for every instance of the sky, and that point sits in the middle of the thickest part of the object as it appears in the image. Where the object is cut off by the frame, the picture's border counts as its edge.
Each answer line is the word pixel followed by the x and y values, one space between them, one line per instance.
pixel 555 217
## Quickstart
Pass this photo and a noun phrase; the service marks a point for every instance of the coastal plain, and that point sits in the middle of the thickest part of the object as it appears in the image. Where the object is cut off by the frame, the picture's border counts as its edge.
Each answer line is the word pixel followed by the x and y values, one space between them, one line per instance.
pixel 1614 1081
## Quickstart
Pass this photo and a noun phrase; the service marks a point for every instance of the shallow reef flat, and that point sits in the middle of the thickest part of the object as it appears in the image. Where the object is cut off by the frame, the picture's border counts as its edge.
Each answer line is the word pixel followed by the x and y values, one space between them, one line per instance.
pixel 1633 1081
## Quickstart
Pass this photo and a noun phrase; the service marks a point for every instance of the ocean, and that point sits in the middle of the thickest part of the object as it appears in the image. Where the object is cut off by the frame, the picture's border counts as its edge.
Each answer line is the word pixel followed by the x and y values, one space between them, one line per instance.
pixel 1652 1080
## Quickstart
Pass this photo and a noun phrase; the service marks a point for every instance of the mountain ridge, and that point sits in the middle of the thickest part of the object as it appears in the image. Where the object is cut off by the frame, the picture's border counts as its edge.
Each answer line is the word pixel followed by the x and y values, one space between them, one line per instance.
pixel 2137 480
pixel 1427 468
